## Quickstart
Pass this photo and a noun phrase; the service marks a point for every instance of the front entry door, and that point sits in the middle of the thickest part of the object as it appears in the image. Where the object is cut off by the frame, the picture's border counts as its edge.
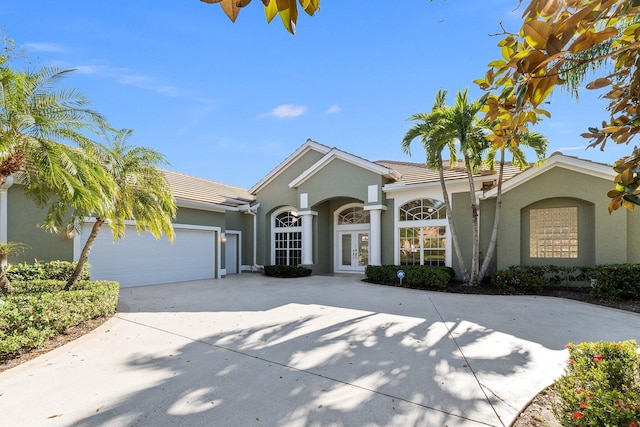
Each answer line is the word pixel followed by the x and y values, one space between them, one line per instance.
pixel 353 251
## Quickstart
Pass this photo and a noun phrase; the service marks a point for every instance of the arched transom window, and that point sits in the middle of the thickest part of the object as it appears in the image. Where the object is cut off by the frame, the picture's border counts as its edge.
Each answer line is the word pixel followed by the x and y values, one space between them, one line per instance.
pixel 422 209
pixel 353 215
pixel 287 238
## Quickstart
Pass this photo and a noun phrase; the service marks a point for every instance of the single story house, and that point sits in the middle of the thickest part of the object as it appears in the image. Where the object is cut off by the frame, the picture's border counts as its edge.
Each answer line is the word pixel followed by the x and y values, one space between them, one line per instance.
pixel 337 213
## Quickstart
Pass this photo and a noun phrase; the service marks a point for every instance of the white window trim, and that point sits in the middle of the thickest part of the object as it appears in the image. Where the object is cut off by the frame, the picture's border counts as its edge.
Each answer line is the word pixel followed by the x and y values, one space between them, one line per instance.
pixel 282 229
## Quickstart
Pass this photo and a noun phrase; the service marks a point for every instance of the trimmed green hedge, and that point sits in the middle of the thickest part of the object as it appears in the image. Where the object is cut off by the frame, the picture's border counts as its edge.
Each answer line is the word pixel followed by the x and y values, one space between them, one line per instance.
pixel 610 281
pixel 617 281
pixel 39 310
pixel 286 271
pixel 53 270
pixel 416 276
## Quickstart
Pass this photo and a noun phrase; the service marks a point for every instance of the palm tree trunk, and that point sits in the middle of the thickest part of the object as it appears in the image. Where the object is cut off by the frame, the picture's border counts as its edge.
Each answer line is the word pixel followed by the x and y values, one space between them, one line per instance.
pixel 496 222
pixel 475 246
pixel 452 228
pixel 5 285
pixel 84 255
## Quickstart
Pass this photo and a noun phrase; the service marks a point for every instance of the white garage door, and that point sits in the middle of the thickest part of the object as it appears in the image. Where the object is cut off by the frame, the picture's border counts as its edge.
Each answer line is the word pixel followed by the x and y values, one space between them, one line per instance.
pixel 140 259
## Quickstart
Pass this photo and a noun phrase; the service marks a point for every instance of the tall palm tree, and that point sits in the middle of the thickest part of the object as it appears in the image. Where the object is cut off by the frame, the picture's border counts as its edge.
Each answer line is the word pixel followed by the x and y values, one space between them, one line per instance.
pixel 435 139
pixel 447 128
pixel 43 140
pixel 535 141
pixel 142 195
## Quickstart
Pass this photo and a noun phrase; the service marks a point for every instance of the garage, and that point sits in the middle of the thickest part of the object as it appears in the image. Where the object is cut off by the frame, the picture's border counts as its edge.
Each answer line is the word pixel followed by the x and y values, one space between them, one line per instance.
pixel 140 259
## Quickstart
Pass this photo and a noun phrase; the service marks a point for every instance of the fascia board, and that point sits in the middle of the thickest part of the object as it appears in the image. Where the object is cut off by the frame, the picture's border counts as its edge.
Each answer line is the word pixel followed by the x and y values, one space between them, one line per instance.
pixel 571 163
pixel 398 187
pixel 301 151
pixel 211 207
pixel 349 158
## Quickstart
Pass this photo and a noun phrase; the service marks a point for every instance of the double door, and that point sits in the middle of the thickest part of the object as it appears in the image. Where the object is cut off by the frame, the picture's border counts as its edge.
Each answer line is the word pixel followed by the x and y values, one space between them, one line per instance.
pixel 353 251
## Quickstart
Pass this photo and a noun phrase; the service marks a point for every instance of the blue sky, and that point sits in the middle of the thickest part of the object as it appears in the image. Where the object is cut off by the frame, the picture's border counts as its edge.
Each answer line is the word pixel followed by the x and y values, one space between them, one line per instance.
pixel 228 102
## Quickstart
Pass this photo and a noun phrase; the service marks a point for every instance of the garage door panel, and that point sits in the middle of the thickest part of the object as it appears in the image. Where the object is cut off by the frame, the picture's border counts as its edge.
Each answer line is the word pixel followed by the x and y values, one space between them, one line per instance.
pixel 140 259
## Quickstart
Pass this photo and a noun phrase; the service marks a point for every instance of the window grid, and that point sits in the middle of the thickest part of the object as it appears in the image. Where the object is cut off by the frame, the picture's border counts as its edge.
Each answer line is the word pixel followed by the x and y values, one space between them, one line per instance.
pixel 288 248
pixel 422 209
pixel 553 232
pixel 354 215
pixel 288 219
pixel 423 245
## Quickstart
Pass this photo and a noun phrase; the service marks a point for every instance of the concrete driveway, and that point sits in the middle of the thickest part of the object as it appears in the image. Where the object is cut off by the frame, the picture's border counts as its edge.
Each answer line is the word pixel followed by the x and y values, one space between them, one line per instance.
pixel 319 351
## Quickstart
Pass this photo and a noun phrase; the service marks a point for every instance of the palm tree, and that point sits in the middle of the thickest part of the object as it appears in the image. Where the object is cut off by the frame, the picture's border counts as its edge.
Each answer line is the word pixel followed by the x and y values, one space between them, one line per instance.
pixel 435 139
pixel 441 129
pixel 43 141
pixel 142 195
pixel 538 143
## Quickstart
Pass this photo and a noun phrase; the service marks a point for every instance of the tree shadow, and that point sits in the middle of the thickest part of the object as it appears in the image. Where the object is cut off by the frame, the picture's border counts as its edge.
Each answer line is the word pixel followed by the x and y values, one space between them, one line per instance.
pixel 332 366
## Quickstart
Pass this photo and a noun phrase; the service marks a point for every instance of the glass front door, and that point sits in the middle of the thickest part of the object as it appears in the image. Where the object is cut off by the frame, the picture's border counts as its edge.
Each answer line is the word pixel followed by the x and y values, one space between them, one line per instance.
pixel 353 248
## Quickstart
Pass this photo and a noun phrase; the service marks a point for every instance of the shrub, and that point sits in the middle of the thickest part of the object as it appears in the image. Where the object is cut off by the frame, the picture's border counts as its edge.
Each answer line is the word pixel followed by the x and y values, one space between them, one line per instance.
pixel 617 281
pixel 39 310
pixel 601 385
pixel 286 271
pixel 53 270
pixel 416 276
pixel 518 279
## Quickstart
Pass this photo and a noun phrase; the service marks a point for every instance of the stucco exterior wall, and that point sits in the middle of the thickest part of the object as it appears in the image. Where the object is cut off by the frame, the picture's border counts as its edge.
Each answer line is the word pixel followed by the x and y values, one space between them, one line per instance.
pixel 339 178
pixel 23 225
pixel 276 194
pixel 610 231
pixel 198 217
pixel 633 227
pixel 388 227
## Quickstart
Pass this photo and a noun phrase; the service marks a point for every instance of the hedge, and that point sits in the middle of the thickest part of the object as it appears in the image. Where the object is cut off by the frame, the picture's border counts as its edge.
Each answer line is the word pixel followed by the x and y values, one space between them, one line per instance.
pixel 286 271
pixel 617 281
pixel 610 281
pixel 416 276
pixel 39 310
pixel 53 270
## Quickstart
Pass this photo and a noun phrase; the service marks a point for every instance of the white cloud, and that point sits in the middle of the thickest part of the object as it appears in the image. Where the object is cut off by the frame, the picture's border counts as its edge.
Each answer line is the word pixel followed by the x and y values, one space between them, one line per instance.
pixel 286 111
pixel 335 108
pixel 43 47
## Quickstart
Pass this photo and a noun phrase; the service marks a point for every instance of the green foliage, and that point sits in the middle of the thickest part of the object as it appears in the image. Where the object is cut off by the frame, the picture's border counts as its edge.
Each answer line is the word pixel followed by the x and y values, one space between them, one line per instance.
pixel 610 281
pixel 286 271
pixel 53 270
pixel 531 278
pixel 601 385
pixel 617 281
pixel 416 276
pixel 40 310
pixel 518 279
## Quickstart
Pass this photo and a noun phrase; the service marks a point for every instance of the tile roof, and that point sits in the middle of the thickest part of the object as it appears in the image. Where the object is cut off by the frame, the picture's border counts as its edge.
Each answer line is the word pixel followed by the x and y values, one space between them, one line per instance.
pixel 419 173
pixel 187 187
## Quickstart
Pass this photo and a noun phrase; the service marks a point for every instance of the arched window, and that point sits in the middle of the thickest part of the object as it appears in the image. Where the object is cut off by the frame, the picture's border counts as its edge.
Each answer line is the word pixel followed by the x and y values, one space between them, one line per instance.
pixel 287 238
pixel 422 209
pixel 422 233
pixel 353 215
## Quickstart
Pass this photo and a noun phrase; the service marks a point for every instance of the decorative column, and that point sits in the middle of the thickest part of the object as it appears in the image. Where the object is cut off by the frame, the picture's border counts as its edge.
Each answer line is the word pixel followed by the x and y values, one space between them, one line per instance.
pixel 307 236
pixel 375 234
